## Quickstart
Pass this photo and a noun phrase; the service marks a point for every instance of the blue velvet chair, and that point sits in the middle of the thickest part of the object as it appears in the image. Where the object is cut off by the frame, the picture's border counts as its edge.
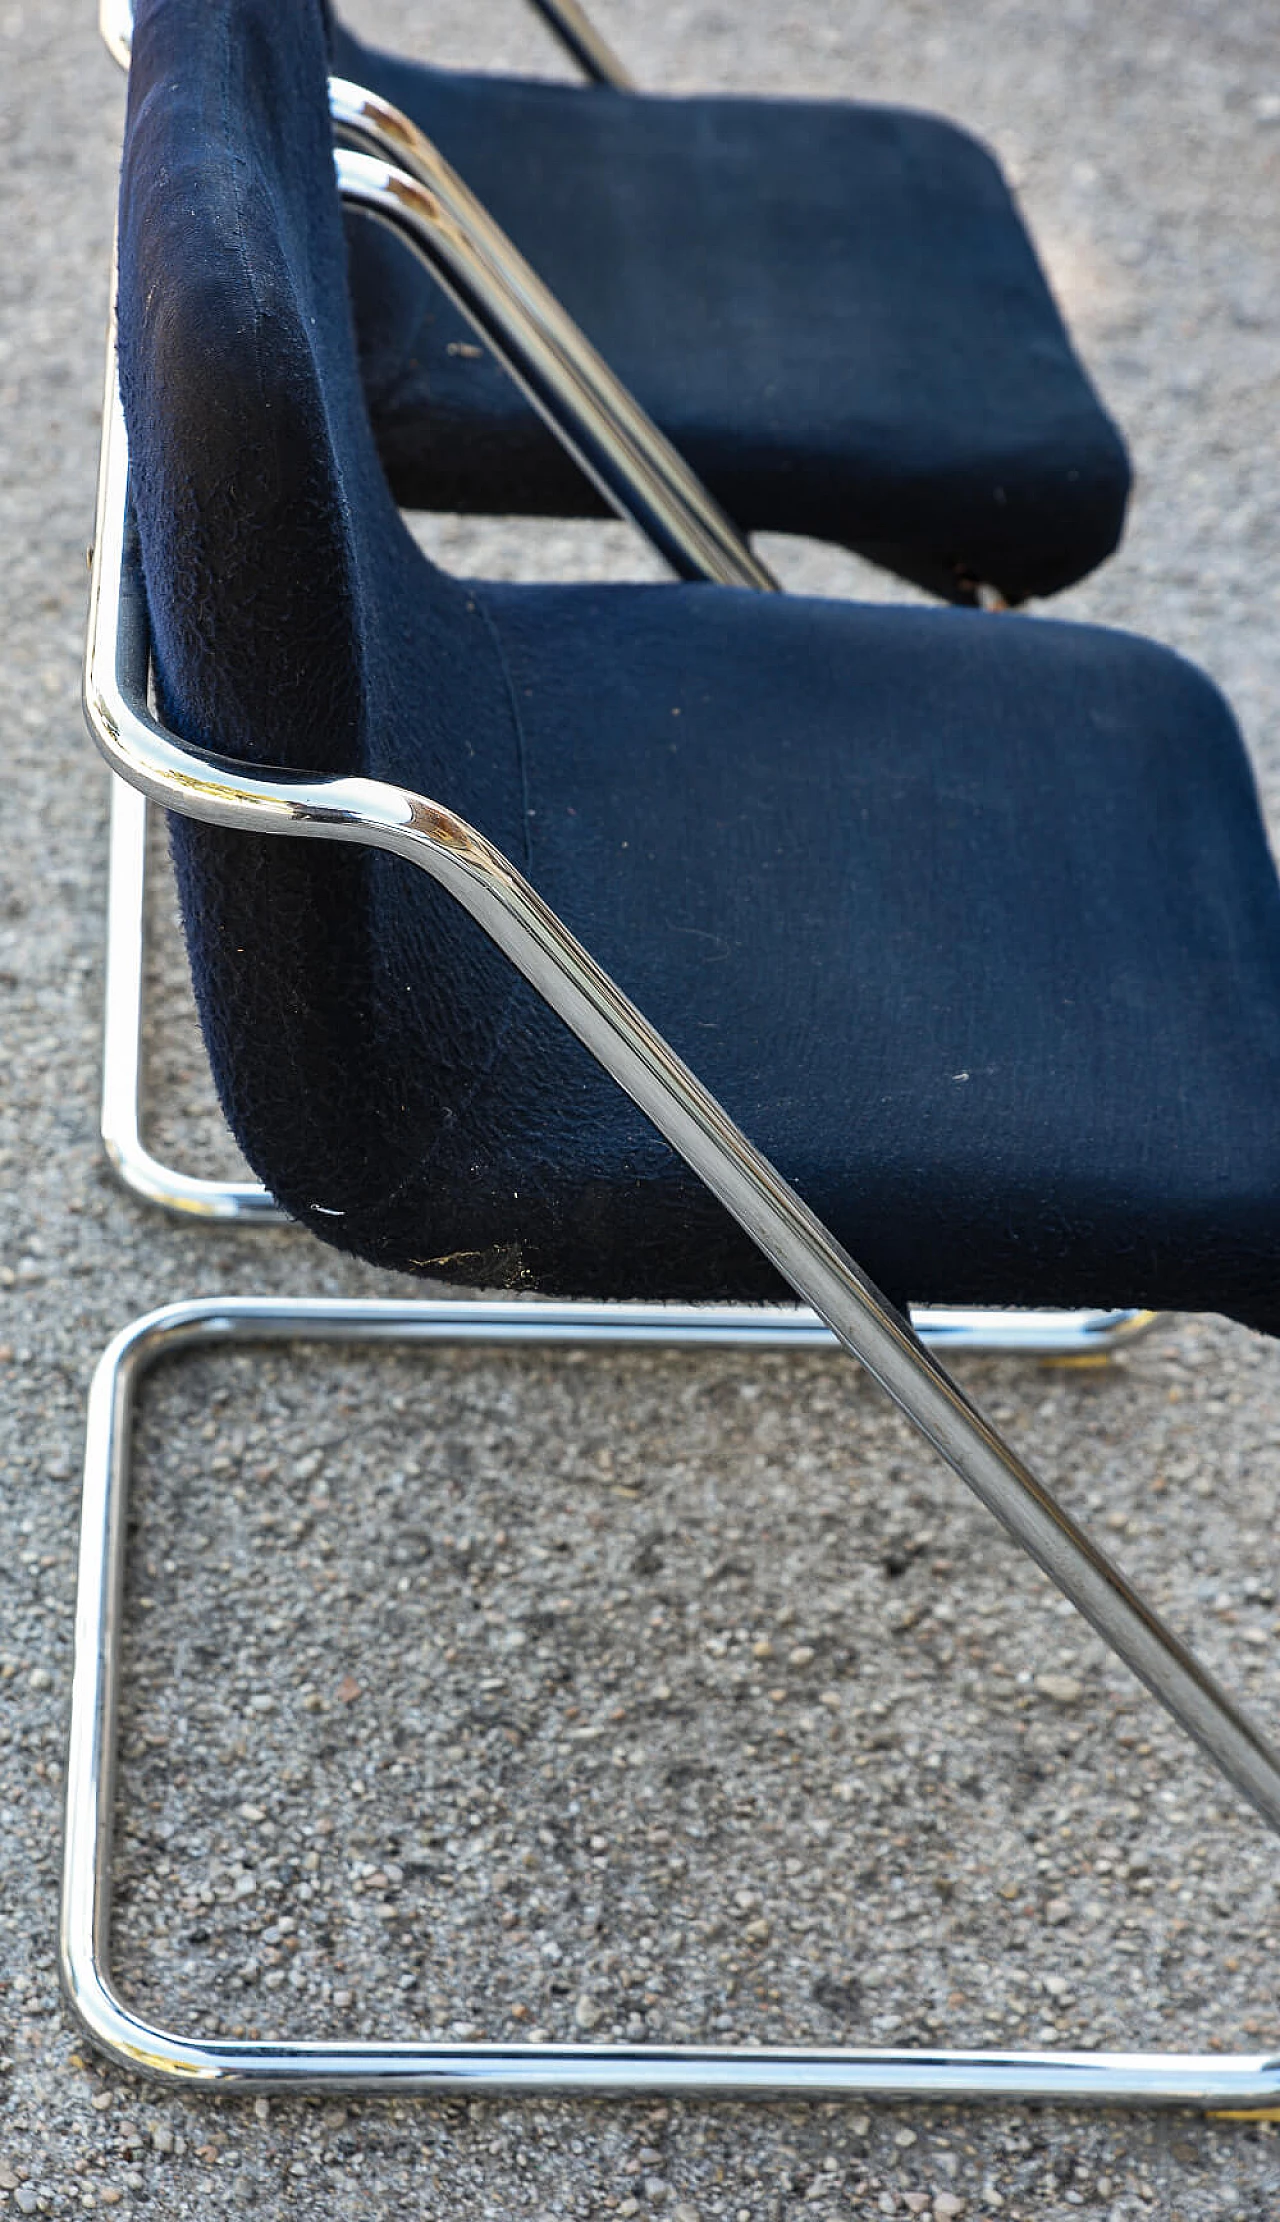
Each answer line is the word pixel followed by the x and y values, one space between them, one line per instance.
pixel 833 309
pixel 957 944
pixel 998 891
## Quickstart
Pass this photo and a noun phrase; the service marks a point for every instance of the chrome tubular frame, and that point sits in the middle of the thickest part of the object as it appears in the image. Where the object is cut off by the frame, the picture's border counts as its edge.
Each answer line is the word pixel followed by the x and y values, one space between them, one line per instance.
pixel 244 1202
pixel 432 838
pixel 403 181
pixel 569 20
pixel 1242 2081
pixel 405 184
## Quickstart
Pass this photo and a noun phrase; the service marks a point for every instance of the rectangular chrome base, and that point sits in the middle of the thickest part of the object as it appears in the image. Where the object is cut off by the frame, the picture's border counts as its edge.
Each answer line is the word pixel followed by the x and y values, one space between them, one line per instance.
pixel 1240 2082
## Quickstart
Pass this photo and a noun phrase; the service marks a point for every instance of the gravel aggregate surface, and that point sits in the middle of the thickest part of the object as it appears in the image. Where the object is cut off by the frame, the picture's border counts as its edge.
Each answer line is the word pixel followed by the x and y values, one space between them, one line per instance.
pixel 631 1694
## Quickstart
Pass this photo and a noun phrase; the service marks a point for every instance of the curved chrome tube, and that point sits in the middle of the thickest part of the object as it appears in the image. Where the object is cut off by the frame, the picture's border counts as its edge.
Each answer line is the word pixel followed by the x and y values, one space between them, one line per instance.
pixel 631 463
pixel 646 480
pixel 1045 1334
pixel 618 447
pixel 628 460
pixel 239 1201
pixel 115 28
pixel 1213 2080
pixel 434 839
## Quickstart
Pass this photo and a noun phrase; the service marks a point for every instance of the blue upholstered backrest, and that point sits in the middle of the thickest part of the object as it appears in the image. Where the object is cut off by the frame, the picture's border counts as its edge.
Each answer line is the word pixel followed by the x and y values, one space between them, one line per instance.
pixel 255 477
pixel 237 372
pixel 294 621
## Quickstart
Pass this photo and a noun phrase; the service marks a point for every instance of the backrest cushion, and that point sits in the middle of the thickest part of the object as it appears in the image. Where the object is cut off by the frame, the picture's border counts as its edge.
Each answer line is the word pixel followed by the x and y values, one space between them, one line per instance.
pixel 294 621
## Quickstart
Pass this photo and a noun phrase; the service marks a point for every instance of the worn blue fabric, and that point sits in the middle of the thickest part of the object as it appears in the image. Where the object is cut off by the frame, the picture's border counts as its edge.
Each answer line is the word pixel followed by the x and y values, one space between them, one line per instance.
pixel 832 308
pixel 970 921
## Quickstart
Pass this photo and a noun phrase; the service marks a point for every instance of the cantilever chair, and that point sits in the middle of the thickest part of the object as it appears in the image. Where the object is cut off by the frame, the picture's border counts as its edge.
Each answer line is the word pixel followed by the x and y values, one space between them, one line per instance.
pixel 1004 1012
pixel 605 433
pixel 831 308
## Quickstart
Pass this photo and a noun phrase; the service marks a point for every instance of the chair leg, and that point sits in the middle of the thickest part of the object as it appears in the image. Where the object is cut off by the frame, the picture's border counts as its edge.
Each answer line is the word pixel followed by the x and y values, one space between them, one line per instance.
pixel 1040 1334
pixel 185 1194
pixel 1240 2082
pixel 569 20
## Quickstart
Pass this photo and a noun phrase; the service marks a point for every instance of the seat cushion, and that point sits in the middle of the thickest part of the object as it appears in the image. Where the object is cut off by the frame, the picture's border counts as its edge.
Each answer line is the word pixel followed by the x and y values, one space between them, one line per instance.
pixel 972 929
pixel 969 921
pixel 832 308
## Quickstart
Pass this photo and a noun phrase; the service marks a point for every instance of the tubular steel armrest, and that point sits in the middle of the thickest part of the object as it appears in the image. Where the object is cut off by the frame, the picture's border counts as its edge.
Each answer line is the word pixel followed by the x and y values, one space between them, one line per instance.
pixel 427 835
pixel 590 411
pixel 115 28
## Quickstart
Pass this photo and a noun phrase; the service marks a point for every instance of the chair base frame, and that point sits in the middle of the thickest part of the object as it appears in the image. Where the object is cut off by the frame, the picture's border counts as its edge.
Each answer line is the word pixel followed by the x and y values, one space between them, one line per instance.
pixel 1246 2083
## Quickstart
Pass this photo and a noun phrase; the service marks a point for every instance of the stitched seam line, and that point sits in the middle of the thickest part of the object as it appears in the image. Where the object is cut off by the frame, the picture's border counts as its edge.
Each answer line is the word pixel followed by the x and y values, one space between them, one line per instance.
pixel 513 704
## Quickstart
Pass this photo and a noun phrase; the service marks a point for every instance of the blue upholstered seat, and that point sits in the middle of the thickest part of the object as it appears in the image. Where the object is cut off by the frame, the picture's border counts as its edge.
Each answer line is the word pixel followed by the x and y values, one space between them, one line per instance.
pixel 832 308
pixel 969 921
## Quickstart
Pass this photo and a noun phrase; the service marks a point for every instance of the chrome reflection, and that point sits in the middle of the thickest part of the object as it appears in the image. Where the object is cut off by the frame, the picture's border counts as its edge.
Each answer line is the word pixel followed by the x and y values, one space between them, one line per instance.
pixel 1215 2081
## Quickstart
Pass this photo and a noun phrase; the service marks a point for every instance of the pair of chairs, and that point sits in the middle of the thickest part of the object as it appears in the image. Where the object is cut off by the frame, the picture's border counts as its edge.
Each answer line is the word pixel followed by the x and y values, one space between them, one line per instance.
pixel 969 924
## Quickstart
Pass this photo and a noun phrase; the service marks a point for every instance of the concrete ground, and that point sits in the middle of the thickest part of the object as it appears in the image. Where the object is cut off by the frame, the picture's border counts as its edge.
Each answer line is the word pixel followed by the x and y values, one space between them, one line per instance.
pixel 641 1693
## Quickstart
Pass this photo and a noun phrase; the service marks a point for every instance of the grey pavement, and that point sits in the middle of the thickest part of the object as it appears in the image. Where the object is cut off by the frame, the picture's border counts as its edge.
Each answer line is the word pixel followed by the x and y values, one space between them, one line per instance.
pixel 642 1693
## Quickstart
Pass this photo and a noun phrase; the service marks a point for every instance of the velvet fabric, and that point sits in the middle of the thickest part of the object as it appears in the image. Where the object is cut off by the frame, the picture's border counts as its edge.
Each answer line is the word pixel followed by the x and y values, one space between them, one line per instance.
pixel 832 308
pixel 969 921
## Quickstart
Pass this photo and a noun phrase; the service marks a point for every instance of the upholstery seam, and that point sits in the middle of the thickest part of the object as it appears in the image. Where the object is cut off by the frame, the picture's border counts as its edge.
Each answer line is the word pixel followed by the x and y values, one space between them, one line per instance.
pixel 522 745
pixel 241 249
